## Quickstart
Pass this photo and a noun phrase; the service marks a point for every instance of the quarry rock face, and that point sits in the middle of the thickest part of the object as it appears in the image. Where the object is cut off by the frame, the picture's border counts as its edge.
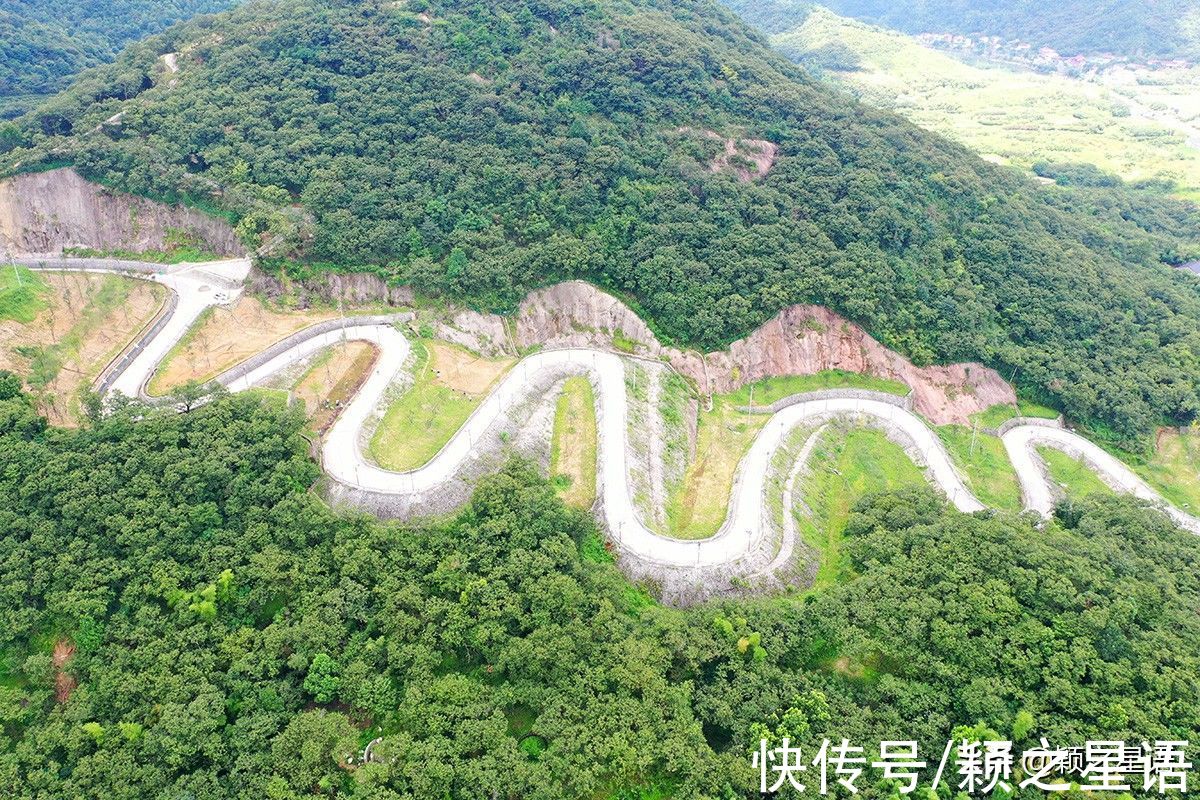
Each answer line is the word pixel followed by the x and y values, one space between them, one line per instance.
pixel 330 288
pixel 44 212
pixel 800 340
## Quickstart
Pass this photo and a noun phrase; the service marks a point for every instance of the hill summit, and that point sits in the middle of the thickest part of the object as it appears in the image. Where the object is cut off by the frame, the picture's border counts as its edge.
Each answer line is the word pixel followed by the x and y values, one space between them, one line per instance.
pixel 655 147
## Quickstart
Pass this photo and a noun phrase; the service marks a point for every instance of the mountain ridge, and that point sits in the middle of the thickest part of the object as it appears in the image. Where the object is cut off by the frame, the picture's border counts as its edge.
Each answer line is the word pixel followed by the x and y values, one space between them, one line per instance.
pixel 47 42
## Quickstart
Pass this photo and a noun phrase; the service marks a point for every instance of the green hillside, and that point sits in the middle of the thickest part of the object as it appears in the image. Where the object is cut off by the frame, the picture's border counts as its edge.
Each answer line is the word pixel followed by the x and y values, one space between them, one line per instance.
pixel 47 42
pixel 658 148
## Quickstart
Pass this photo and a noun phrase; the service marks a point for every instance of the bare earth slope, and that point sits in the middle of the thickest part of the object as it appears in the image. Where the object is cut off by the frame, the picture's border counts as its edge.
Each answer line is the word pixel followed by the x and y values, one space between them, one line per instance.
pixel 800 340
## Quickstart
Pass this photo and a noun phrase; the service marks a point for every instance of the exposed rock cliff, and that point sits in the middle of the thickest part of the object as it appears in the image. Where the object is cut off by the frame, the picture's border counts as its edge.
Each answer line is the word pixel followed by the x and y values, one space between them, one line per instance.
pixel 800 340
pixel 330 288
pixel 44 212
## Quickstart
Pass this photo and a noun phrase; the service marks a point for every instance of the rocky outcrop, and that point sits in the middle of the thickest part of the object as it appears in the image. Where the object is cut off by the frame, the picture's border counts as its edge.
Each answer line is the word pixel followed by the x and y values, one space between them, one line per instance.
pixel 800 340
pixel 748 159
pixel 45 212
pixel 330 288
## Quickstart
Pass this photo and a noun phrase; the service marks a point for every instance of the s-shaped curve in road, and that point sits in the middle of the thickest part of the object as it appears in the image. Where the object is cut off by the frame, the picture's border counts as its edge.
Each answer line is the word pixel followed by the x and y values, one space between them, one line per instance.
pixel 747 543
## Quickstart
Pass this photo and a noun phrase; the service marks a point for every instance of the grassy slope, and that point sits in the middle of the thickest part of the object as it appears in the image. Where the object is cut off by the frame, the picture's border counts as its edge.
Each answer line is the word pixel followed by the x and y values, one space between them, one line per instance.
pixel 845 466
pixel 769 390
pixel 1072 475
pixel 573 448
pixel 696 508
pixel 423 419
pixel 22 294
pixel 999 414
pixel 983 463
pixel 1173 468
pixel 1016 115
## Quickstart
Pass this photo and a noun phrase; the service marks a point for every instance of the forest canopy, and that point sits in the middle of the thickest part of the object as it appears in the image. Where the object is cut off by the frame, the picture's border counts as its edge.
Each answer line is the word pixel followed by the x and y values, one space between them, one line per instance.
pixel 482 149
pixel 181 617
pixel 48 42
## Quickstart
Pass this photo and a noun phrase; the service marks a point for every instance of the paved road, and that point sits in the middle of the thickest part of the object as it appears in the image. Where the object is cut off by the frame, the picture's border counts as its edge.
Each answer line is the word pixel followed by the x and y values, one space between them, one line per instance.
pixel 746 524
pixel 1021 443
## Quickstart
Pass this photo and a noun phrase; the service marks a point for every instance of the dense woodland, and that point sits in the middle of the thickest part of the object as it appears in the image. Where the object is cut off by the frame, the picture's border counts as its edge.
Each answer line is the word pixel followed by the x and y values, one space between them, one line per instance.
pixel 182 618
pixel 1137 29
pixel 480 149
pixel 48 42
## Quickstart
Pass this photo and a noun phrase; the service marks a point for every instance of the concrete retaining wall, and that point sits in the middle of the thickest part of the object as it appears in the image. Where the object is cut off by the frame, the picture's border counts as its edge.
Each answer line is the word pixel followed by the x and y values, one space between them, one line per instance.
pixel 64 264
pixel 905 402
pixel 1009 424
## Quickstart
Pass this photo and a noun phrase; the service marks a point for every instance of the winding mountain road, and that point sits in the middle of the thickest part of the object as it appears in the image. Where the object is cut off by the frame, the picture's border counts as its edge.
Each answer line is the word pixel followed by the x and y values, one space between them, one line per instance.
pixel 749 543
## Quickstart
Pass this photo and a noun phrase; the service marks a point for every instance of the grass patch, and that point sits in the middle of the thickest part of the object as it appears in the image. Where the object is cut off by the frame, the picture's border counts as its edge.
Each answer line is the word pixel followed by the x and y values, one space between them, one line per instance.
pixel 573 447
pixel 532 745
pixel 995 416
pixel 1001 413
pixel 1028 408
pixel 1072 475
pixel 983 462
pixel 419 424
pixel 697 506
pixel 271 398
pixel 635 600
pixel 845 466
pixel 622 342
pixel 770 390
pixel 1173 469
pixel 22 294
pixel 592 549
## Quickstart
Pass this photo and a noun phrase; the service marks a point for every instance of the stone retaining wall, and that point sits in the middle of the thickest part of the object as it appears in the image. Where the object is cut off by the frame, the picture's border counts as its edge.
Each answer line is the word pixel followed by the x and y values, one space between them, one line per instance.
pixel 1016 422
pixel 905 401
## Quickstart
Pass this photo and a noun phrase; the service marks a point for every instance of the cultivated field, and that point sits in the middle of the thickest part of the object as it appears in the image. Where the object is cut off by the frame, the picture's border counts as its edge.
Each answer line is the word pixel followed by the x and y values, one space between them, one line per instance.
pixel 1134 123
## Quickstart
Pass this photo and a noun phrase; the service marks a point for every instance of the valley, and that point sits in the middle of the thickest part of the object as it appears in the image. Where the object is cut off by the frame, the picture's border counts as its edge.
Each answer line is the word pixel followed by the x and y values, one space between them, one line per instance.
pixel 1134 122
